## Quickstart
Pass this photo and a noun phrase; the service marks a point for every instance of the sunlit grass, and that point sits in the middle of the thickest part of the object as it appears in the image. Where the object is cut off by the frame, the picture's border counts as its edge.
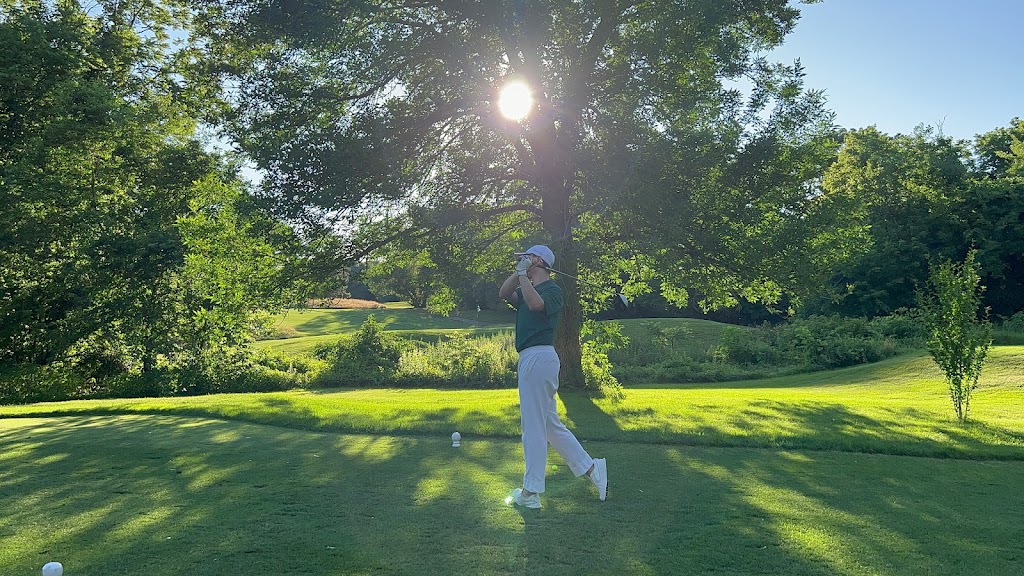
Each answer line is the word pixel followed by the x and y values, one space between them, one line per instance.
pixel 899 406
pixel 170 495
pixel 397 316
pixel 810 474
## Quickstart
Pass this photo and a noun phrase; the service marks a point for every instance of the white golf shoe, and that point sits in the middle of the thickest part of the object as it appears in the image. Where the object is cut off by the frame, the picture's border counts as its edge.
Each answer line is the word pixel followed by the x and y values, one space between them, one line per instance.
pixel 531 501
pixel 600 477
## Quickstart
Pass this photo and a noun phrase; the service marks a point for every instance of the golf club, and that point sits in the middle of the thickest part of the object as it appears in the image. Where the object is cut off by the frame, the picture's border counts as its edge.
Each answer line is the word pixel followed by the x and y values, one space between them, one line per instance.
pixel 622 297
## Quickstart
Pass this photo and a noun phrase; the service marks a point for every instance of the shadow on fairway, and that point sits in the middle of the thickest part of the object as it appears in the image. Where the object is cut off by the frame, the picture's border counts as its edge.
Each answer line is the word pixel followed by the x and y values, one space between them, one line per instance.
pixel 867 514
pixel 170 495
pixel 167 495
pixel 802 425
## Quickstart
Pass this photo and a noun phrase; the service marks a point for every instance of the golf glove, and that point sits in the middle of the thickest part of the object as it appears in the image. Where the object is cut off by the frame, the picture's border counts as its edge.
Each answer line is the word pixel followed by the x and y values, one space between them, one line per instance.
pixel 523 265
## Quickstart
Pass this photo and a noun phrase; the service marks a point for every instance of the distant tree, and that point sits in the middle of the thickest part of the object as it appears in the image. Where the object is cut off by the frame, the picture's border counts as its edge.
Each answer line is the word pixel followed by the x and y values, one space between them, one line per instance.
pixel 925 197
pixel 1001 152
pixel 907 189
pixel 958 340
pixel 411 276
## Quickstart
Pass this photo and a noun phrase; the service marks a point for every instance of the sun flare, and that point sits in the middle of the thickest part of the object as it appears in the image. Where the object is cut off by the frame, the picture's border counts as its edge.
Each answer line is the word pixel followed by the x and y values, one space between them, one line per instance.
pixel 515 101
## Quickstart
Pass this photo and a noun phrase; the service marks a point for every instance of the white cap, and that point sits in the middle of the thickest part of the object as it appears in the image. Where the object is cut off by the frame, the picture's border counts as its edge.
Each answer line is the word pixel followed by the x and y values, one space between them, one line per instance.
pixel 540 250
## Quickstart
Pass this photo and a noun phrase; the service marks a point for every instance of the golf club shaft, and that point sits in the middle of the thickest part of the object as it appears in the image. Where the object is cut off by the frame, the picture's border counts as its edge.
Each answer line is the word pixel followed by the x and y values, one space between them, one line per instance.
pixel 622 297
pixel 594 284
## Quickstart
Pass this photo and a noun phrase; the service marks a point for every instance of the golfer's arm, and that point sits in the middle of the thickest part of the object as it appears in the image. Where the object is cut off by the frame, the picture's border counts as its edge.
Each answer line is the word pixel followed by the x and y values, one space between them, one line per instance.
pixel 508 289
pixel 530 295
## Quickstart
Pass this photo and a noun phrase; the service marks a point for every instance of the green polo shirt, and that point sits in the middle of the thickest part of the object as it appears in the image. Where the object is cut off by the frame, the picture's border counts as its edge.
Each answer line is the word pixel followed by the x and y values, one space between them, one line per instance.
pixel 538 328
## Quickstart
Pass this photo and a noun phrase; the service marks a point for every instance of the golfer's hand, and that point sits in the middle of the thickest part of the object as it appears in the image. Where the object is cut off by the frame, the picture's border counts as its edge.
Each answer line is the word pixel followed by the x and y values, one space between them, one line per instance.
pixel 523 265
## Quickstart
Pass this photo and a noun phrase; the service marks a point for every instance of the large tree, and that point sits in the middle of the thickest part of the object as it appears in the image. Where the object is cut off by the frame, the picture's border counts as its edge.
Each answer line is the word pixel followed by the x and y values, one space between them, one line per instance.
pixel 124 239
pixel 659 145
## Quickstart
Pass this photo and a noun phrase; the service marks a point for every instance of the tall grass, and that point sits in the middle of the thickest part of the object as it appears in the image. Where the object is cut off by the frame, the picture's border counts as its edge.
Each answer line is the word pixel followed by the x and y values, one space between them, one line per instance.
pixel 486 362
pixel 688 352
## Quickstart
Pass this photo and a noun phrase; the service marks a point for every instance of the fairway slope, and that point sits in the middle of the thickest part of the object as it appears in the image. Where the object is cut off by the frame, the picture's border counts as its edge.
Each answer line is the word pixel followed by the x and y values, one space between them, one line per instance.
pixel 897 407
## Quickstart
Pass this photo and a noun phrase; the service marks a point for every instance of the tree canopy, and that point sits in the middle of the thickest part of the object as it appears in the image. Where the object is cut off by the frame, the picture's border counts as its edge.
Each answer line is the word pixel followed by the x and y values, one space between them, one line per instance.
pixel 126 241
pixel 925 199
pixel 660 146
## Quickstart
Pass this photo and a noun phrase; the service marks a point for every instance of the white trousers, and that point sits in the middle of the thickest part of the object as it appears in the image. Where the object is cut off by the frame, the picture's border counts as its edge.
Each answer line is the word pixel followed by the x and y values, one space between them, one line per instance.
pixel 538 409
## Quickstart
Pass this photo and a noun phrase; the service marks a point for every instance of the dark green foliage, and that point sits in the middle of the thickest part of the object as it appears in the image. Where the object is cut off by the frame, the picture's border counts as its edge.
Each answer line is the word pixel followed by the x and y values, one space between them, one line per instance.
pixel 367 358
pixel 801 345
pixel 27 383
pixel 925 197
pixel 820 343
pixel 131 256
pixel 1014 324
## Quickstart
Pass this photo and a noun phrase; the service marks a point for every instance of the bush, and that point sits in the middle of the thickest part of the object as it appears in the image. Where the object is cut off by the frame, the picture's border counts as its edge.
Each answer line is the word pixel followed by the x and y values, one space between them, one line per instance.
pixel 135 385
pixel 800 345
pixel 958 339
pixel 599 339
pixel 370 357
pixel 1014 324
pixel 24 384
pixel 461 362
pixel 233 370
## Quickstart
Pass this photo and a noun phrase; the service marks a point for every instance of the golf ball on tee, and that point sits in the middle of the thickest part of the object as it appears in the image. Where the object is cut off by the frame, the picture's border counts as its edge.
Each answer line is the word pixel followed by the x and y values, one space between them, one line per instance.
pixel 456 438
pixel 53 569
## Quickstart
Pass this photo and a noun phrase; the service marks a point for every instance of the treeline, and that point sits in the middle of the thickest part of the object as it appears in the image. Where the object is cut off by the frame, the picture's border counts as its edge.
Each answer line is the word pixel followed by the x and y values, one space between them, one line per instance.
pixel 134 258
pixel 920 199
pixel 127 247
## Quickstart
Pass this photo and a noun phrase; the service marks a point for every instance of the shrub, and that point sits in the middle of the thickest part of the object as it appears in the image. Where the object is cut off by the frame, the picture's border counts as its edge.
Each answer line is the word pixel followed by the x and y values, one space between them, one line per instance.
pixel 23 384
pixel 739 346
pixel 488 362
pixel 1014 324
pixel 370 357
pixel 136 385
pixel 599 339
pixel 958 340
pixel 800 345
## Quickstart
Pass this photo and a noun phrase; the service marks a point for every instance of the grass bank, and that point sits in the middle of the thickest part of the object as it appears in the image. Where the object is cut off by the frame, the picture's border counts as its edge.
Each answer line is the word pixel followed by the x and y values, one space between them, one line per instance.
pixel 897 407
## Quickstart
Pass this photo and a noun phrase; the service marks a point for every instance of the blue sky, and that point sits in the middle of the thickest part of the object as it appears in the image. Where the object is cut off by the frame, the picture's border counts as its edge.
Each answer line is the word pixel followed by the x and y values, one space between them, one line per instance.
pixel 900 63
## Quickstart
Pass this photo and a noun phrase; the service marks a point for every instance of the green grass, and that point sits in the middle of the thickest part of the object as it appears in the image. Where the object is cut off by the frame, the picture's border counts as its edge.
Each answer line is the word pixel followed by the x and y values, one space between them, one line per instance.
pixel 693 337
pixel 172 495
pixel 397 316
pixel 895 407
pixel 856 471
pixel 302 330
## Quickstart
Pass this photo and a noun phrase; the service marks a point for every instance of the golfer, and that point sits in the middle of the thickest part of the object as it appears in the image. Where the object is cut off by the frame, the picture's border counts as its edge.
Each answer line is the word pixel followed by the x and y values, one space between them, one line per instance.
pixel 538 302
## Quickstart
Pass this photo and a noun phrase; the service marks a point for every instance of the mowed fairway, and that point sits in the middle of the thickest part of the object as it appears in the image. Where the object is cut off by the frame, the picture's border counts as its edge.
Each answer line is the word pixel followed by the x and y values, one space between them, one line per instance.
pixel 306 328
pixel 858 471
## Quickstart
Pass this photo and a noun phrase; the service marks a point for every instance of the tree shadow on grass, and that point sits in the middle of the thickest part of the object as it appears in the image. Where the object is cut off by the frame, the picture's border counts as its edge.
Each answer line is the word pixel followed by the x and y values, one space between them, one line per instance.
pixel 169 495
pixel 172 495
pixel 678 510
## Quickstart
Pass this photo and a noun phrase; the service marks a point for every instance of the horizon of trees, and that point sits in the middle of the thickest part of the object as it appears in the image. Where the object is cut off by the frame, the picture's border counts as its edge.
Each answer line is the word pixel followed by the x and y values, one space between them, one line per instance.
pixel 131 247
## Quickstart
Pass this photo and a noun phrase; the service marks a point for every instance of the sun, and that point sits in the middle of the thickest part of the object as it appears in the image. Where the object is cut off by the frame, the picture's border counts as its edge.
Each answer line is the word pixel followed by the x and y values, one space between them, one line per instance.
pixel 516 100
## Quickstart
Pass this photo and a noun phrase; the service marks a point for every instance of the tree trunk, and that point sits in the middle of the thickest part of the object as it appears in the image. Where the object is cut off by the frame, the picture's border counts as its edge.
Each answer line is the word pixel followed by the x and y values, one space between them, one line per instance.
pixel 558 180
pixel 567 338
